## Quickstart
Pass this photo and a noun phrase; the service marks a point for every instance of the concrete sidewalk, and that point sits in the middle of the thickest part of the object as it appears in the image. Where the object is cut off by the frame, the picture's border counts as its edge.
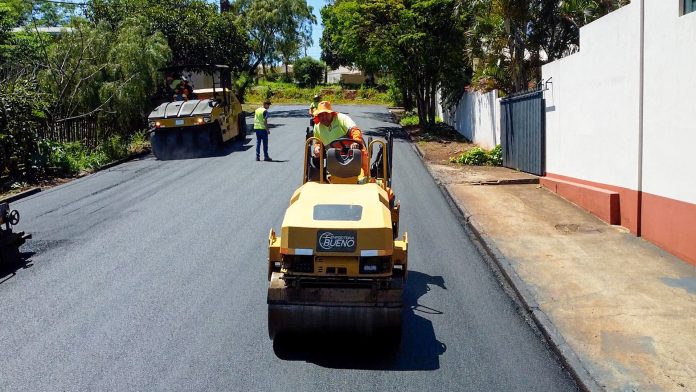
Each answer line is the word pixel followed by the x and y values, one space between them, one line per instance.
pixel 625 308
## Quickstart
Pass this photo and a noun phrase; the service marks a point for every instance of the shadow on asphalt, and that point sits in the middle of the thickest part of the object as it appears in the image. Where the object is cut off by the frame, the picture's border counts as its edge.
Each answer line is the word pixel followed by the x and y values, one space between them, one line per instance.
pixel 296 113
pixel 379 116
pixel 397 131
pixel 419 349
pixel 20 260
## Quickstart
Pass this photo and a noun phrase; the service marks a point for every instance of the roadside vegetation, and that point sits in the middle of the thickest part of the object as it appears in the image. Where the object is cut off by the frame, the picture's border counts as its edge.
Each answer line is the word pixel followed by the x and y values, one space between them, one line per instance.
pixel 75 100
pixel 283 92
pixel 444 46
pixel 72 100
pixel 411 119
pixel 477 156
pixel 72 158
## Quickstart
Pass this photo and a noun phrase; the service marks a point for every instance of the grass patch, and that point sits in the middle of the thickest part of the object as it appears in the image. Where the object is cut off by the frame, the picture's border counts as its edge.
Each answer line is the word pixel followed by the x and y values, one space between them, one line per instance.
pixel 283 92
pixel 410 119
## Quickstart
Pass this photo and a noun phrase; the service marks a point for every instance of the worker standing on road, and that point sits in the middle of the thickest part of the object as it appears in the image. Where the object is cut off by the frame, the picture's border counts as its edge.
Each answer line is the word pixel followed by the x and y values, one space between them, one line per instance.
pixel 330 125
pixel 312 107
pixel 262 131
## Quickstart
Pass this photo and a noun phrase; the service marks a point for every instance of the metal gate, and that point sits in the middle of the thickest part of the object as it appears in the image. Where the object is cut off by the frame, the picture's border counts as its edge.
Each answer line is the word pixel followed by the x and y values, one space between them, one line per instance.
pixel 523 132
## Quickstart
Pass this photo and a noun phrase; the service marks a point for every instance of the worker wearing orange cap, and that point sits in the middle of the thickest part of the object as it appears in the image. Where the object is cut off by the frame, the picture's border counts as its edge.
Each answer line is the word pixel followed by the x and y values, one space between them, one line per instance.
pixel 330 125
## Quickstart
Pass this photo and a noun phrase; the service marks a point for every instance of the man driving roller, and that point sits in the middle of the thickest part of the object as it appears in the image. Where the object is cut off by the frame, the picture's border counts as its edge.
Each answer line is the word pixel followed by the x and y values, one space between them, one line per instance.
pixel 330 125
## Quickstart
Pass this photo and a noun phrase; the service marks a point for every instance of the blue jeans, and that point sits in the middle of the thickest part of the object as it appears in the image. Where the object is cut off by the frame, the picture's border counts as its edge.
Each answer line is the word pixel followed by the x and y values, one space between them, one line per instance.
pixel 261 137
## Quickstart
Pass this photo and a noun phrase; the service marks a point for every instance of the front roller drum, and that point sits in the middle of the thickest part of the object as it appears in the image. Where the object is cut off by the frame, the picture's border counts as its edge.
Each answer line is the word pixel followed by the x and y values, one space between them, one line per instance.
pixel 286 319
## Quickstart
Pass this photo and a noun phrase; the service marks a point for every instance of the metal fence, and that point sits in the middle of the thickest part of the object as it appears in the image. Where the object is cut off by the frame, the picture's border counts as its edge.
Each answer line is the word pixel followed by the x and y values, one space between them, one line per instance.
pixel 86 130
pixel 523 132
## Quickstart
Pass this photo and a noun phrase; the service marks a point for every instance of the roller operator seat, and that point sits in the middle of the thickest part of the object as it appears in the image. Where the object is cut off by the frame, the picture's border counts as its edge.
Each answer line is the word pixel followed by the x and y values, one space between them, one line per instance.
pixel 344 168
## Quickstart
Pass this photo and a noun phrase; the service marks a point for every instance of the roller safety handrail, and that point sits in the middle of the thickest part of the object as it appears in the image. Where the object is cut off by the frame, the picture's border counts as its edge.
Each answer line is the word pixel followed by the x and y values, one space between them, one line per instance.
pixel 308 153
pixel 385 170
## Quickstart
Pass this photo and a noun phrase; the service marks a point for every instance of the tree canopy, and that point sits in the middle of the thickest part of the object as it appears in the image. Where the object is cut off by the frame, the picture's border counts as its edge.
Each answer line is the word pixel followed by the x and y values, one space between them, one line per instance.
pixel 418 41
pixel 509 40
pixel 194 29
pixel 445 45
pixel 276 29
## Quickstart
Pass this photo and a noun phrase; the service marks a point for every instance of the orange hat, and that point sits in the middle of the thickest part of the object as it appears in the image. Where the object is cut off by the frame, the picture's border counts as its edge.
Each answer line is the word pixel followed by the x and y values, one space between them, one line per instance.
pixel 323 107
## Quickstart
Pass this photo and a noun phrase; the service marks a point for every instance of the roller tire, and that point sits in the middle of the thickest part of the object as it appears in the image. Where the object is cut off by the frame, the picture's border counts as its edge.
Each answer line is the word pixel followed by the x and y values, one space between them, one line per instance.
pixel 214 134
pixel 242 128
pixel 160 145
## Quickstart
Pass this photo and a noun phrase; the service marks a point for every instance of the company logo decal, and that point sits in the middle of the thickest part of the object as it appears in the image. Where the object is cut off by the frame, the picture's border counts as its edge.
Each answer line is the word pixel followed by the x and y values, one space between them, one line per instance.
pixel 336 241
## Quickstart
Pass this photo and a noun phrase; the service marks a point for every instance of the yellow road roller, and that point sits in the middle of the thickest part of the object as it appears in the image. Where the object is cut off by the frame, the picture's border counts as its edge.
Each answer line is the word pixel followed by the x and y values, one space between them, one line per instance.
pixel 337 264
pixel 200 112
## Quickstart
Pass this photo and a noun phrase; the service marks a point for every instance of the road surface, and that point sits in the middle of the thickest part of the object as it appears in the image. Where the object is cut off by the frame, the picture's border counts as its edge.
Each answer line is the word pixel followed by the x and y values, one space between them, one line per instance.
pixel 152 276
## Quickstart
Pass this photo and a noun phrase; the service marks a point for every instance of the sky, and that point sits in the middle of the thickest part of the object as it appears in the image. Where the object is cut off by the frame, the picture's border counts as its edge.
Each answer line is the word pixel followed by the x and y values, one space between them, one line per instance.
pixel 315 50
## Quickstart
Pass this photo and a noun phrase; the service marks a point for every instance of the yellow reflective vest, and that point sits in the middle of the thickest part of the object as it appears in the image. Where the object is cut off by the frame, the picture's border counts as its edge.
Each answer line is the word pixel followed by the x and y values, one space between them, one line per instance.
pixel 259 119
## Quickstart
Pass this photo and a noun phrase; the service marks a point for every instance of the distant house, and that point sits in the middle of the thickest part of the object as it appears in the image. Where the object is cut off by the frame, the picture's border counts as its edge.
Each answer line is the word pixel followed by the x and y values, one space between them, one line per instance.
pixel 346 75
pixel 45 30
pixel 277 69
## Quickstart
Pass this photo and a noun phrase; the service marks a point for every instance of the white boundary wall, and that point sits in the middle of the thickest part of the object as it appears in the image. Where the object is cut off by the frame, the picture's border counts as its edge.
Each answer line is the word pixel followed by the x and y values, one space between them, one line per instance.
pixel 592 103
pixel 476 117
pixel 669 103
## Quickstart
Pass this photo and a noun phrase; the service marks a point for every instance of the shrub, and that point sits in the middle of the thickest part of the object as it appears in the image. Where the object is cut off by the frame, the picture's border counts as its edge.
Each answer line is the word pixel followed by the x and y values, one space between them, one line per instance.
pixel 114 148
pixel 308 71
pixel 495 156
pixel 479 157
pixel 138 142
pixel 66 159
pixel 409 120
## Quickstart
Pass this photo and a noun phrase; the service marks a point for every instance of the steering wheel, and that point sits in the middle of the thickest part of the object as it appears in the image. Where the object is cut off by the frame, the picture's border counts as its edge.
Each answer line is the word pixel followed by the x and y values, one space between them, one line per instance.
pixel 344 144
pixel 14 217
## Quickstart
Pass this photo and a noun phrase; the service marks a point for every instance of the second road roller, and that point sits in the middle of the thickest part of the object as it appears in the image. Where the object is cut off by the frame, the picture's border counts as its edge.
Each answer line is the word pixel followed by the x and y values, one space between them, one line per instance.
pixel 200 113
pixel 337 263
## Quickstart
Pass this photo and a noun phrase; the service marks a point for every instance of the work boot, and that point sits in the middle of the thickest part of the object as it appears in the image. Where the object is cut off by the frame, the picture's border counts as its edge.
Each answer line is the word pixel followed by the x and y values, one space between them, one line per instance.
pixel 268 159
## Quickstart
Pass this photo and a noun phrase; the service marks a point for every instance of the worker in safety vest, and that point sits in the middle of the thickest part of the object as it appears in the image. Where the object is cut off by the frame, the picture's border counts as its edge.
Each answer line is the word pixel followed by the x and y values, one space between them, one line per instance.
pixel 312 107
pixel 262 131
pixel 330 125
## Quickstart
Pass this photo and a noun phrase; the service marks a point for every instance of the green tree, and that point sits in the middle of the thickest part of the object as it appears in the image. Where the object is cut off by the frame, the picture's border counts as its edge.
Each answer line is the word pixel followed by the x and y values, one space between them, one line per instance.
pixel 509 40
pixel 275 30
pixel 22 113
pixel 194 29
pixel 418 41
pixel 308 71
pixel 296 31
pixel 45 14
pixel 97 71
pixel 278 28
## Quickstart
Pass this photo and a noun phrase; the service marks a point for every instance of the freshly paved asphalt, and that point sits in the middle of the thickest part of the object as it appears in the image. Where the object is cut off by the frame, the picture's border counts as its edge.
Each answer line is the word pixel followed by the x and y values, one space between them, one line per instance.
pixel 152 276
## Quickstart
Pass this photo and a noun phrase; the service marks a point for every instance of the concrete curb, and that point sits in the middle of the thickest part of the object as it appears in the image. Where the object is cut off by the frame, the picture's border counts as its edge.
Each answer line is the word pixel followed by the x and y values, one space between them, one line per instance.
pixel 36 190
pixel 21 195
pixel 516 181
pixel 555 339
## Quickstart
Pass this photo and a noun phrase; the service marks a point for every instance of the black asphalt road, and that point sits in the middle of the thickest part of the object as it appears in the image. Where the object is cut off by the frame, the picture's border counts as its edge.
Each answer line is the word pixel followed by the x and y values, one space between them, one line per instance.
pixel 152 276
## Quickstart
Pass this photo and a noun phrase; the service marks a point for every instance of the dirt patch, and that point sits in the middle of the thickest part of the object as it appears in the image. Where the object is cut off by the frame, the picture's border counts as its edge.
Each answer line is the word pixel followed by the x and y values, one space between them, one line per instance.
pixel 441 145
